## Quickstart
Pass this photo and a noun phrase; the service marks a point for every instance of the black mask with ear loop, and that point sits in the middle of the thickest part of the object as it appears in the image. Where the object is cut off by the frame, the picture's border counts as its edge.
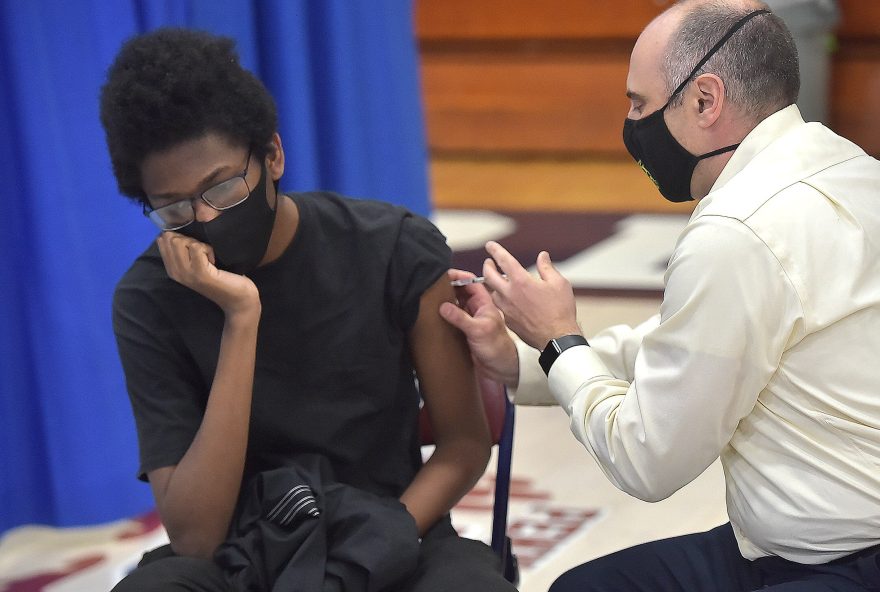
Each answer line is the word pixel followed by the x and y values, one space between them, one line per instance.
pixel 648 140
pixel 240 235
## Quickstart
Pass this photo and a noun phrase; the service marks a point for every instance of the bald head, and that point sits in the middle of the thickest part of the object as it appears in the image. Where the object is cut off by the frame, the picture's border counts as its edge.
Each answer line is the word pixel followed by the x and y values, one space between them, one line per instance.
pixel 645 83
pixel 668 21
pixel 758 63
pixel 744 6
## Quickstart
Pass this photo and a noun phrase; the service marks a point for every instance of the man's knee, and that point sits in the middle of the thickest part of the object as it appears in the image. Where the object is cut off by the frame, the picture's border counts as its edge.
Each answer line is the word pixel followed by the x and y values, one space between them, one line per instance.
pixel 599 575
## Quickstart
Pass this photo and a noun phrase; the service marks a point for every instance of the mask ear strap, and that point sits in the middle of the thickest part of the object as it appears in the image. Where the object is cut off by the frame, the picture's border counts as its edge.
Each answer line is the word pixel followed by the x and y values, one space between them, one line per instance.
pixel 736 27
pixel 719 151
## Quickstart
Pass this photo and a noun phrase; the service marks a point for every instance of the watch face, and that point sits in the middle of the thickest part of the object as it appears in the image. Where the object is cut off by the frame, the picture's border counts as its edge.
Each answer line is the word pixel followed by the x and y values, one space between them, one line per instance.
pixel 557 346
pixel 549 355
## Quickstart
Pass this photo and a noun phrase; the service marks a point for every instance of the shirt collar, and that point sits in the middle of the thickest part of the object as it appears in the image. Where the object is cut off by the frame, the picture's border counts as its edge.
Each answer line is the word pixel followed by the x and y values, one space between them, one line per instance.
pixel 759 138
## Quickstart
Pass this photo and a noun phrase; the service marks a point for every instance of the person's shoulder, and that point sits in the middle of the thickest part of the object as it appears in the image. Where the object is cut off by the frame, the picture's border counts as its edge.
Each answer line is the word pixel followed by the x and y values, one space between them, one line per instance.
pixel 144 270
pixel 352 212
pixel 329 201
pixel 145 277
pixel 779 175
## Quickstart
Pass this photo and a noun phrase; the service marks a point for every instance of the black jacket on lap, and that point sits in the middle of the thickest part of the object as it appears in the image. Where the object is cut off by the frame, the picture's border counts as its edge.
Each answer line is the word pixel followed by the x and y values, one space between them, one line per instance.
pixel 298 530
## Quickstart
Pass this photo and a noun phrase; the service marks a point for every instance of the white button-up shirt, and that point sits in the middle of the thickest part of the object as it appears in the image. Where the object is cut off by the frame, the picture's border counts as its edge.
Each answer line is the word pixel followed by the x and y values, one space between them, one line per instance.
pixel 766 352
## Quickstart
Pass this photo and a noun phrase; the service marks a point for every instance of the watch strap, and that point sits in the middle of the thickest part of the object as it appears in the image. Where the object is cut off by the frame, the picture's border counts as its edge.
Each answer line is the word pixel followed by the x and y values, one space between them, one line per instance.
pixel 555 347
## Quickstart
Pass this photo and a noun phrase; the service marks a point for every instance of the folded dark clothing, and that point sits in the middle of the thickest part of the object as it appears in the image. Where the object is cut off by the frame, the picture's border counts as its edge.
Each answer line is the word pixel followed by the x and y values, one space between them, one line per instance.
pixel 299 530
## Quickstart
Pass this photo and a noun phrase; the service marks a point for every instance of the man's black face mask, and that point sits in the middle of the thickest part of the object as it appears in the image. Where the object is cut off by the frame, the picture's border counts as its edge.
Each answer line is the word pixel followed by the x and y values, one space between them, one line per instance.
pixel 648 140
pixel 240 235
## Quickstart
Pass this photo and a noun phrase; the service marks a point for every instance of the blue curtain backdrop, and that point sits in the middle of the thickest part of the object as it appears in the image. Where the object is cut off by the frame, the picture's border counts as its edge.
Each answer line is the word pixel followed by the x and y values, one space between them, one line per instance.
pixel 345 75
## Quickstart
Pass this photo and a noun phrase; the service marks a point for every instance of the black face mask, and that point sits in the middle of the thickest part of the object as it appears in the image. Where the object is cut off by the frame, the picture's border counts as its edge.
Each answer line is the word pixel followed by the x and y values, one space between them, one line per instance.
pixel 239 235
pixel 648 140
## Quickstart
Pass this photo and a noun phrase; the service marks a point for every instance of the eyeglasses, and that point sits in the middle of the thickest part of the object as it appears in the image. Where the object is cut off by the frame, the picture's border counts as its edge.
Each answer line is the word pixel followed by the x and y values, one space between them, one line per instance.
pixel 222 196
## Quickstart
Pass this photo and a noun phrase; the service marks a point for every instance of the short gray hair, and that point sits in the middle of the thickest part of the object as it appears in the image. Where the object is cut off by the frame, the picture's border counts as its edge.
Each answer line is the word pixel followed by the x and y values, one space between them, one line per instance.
pixel 758 63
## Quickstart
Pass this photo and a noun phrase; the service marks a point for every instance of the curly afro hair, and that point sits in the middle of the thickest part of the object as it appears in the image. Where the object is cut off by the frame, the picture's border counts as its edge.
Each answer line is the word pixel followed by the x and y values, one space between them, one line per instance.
pixel 174 85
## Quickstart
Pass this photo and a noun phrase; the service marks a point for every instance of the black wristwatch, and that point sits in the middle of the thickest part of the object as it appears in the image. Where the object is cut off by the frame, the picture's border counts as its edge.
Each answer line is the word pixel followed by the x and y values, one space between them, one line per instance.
pixel 556 347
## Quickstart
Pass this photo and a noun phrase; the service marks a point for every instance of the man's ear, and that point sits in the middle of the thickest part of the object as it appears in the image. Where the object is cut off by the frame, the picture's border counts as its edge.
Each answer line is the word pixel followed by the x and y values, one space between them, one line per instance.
pixel 709 100
pixel 275 163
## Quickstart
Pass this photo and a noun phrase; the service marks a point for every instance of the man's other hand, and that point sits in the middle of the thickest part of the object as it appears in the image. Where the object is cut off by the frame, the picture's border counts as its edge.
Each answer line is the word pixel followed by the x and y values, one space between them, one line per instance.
pixel 537 309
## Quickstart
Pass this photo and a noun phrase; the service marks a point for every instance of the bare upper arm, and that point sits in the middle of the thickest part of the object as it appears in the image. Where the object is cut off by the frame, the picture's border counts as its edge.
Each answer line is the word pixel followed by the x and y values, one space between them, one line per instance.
pixel 445 370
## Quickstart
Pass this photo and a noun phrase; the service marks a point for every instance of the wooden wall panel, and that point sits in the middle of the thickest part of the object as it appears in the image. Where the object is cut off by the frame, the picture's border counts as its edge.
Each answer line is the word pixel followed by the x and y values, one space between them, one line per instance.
pixel 531 19
pixel 548 77
pixel 485 101
pixel 526 77
pixel 855 74
pixel 860 19
pixel 855 98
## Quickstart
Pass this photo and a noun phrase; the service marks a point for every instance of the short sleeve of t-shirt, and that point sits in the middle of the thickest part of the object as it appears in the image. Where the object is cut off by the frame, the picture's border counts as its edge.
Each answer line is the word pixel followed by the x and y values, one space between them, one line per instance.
pixel 420 257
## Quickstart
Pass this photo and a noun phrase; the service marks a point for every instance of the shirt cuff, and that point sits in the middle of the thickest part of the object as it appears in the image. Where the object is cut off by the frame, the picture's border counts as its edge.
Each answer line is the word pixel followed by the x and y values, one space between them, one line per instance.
pixel 532 388
pixel 574 367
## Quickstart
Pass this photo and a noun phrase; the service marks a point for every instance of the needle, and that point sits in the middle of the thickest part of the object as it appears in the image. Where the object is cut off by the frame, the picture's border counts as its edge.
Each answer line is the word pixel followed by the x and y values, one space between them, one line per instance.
pixel 473 280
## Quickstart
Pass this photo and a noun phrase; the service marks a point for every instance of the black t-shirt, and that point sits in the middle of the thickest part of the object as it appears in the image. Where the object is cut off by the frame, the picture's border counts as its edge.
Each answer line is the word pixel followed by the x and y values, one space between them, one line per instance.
pixel 333 369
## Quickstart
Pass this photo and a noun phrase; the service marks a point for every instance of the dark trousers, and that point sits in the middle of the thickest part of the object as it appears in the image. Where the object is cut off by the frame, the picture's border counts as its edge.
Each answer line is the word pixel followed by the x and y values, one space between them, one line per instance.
pixel 711 562
pixel 446 562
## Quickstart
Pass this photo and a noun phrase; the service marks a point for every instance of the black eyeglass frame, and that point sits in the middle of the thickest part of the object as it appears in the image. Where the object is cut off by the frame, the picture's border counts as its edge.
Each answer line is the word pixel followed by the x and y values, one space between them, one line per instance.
pixel 149 211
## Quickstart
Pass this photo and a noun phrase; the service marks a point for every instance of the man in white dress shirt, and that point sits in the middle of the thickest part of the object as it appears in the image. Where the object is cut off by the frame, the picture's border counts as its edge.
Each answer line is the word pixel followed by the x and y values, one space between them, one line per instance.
pixel 765 351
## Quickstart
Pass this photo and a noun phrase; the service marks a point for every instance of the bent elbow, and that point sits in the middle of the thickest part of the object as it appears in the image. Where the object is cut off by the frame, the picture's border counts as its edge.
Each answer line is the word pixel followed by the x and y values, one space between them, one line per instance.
pixel 645 488
pixel 482 459
pixel 194 545
pixel 193 549
pixel 476 457
pixel 648 476
pixel 652 497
